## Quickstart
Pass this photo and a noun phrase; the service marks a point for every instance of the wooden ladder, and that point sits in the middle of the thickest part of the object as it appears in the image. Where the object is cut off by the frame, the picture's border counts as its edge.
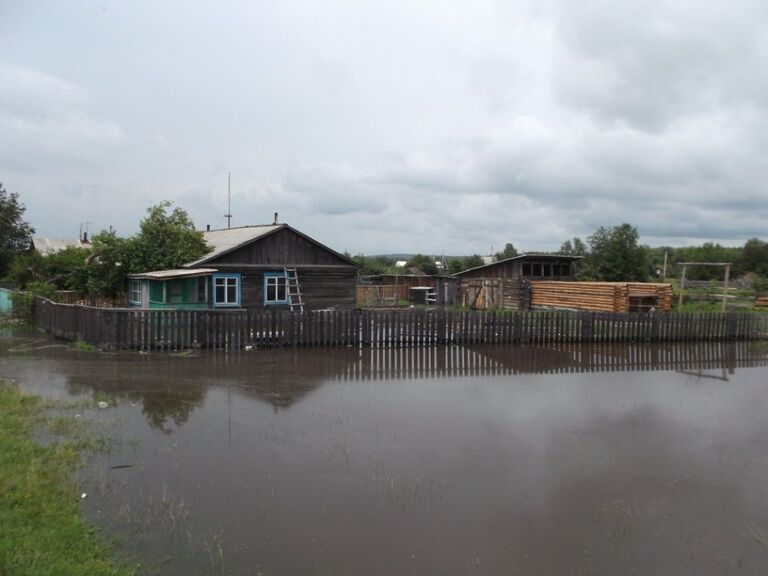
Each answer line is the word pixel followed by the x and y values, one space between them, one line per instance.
pixel 295 300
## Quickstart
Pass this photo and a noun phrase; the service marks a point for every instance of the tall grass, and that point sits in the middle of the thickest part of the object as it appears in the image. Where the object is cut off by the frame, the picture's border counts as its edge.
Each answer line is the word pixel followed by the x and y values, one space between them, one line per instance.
pixel 41 531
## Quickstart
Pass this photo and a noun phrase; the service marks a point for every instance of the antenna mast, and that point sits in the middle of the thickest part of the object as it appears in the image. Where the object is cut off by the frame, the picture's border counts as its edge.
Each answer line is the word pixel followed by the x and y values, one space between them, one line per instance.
pixel 228 215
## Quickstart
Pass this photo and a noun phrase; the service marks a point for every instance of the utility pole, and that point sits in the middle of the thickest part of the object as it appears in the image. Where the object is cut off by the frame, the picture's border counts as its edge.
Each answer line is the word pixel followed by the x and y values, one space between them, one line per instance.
pixel 228 215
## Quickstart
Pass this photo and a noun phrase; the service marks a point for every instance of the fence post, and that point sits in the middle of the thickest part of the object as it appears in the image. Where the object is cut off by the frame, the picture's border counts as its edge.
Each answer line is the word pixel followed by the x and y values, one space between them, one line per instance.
pixel 730 326
pixel 587 326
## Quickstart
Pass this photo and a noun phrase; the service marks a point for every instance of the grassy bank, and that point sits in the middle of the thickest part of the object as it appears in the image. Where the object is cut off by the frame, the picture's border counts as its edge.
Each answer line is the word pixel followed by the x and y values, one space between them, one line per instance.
pixel 41 531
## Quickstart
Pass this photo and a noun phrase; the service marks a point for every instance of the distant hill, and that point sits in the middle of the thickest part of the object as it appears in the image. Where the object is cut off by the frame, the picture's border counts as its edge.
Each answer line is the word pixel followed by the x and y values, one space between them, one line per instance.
pixel 406 256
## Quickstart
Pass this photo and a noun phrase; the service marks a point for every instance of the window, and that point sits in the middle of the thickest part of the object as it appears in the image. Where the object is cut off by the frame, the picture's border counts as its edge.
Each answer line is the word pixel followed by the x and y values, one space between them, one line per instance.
pixel 174 293
pixel 526 268
pixel 202 290
pixel 226 290
pixel 134 292
pixel 275 288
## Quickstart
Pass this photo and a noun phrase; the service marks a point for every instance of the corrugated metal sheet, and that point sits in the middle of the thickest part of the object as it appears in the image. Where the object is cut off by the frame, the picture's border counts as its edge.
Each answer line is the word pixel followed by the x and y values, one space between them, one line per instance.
pixel 169 274
pixel 228 239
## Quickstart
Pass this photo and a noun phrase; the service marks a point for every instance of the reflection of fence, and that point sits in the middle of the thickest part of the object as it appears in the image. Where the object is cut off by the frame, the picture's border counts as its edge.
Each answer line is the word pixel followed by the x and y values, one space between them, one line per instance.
pixel 458 361
pixel 372 295
pixel 121 328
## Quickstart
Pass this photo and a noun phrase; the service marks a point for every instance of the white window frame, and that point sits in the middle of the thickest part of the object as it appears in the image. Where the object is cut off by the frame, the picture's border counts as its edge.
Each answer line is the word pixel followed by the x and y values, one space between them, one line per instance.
pixel 275 278
pixel 226 280
pixel 132 291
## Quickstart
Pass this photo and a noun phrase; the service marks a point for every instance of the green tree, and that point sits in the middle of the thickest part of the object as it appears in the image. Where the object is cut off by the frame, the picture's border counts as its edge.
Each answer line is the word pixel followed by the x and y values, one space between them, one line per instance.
pixel 26 268
pixel 167 239
pixel 575 247
pixel 509 252
pixel 616 255
pixel 754 257
pixel 472 261
pixel 65 270
pixel 15 233
pixel 374 265
pixel 112 258
pixel 426 264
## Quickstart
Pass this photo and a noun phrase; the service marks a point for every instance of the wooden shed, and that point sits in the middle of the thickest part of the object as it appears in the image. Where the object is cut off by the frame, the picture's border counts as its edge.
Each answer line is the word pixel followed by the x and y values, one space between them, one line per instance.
pixel 443 291
pixel 269 267
pixel 506 283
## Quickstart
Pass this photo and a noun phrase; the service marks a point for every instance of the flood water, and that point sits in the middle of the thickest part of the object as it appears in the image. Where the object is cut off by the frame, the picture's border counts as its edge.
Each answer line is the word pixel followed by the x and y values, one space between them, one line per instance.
pixel 472 460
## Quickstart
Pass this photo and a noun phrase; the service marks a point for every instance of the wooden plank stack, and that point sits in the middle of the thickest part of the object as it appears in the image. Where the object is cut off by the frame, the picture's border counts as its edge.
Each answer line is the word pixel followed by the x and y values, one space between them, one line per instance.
pixel 600 296
pixel 761 301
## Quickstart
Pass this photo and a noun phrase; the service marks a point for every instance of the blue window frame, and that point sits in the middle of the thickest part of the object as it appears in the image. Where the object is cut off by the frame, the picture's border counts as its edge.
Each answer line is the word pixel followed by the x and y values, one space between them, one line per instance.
pixel 275 288
pixel 226 290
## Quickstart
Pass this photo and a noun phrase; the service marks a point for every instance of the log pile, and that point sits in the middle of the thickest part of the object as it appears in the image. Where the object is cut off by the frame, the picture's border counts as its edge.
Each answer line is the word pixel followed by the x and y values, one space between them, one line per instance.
pixel 761 301
pixel 601 296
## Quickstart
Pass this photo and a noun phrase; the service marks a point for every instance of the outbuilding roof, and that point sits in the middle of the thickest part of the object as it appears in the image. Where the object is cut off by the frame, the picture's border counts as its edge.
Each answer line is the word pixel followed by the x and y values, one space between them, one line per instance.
pixel 526 256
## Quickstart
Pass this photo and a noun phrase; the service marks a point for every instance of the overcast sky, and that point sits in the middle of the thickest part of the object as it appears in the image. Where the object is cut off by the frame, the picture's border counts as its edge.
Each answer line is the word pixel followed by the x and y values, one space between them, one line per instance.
pixel 387 126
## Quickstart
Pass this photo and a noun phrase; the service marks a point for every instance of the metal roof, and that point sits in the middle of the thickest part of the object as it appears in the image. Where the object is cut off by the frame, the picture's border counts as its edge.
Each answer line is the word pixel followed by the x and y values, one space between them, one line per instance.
pixel 228 239
pixel 172 274
pixel 222 241
pixel 48 246
pixel 527 255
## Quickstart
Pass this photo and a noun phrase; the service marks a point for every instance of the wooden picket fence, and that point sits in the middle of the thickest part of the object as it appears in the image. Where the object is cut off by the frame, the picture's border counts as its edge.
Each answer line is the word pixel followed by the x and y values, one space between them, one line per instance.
pixel 126 328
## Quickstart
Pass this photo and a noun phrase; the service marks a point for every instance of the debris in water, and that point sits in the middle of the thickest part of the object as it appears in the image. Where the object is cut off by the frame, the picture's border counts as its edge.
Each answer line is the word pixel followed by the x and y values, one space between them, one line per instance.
pixel 83 496
pixel 103 404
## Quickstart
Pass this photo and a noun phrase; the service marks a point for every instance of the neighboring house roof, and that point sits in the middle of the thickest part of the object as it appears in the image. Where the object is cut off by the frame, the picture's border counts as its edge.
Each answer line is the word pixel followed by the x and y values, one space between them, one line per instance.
pixel 48 246
pixel 228 239
pixel 526 256
pixel 173 274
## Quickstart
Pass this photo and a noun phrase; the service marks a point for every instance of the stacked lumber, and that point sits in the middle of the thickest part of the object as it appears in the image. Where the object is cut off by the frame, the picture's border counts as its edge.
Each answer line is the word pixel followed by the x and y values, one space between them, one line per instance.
pixel 761 301
pixel 661 291
pixel 598 296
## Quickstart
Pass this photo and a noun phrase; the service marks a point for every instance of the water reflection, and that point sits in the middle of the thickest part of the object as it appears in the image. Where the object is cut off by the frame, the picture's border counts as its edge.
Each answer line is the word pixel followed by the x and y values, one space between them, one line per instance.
pixel 170 387
pixel 485 460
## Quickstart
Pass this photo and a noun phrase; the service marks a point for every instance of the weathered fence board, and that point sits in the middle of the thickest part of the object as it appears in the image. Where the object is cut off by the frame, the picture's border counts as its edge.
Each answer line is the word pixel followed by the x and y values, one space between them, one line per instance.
pixel 127 328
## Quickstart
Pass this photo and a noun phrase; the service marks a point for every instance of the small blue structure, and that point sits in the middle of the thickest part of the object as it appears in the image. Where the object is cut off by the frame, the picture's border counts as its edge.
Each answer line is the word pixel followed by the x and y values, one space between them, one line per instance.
pixel 6 305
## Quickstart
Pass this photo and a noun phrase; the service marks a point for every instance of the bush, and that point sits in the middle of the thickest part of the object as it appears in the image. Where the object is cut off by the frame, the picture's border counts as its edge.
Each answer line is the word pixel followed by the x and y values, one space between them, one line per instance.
pixel 24 302
pixel 760 285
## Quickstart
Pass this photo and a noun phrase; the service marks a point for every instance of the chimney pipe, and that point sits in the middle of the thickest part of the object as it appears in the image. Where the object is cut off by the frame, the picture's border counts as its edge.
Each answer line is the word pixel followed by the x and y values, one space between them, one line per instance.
pixel 207 227
pixel 275 222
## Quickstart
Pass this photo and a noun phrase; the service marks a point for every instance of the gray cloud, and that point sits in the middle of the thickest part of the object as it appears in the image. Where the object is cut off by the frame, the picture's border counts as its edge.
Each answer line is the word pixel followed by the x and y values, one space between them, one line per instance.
pixel 390 126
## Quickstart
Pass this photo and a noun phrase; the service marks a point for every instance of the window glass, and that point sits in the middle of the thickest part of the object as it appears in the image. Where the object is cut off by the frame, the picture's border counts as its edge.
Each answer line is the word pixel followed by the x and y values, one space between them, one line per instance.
pixel 134 291
pixel 202 292
pixel 275 289
pixel 526 268
pixel 175 291
pixel 226 290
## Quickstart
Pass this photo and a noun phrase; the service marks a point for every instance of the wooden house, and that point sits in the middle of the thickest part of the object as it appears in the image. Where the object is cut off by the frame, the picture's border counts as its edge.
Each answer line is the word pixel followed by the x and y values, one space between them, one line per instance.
pixel 268 267
pixel 506 283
